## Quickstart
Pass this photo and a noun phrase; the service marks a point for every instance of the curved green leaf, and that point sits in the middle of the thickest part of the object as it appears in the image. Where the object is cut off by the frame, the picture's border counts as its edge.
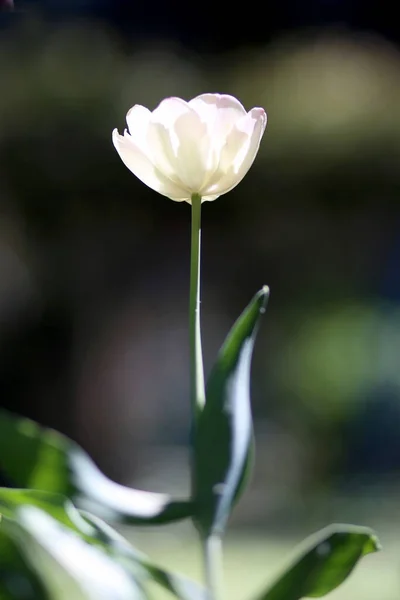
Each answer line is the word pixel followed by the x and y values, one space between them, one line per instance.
pixel 324 561
pixel 180 586
pixel 35 457
pixel 59 508
pixel 224 431
pixel 66 564
pixel 92 532
pixel 17 578
pixel 68 556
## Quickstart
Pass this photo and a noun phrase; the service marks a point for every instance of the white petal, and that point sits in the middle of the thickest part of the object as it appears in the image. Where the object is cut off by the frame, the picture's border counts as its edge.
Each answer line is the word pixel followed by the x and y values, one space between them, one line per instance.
pixel 209 198
pixel 139 163
pixel 193 153
pixel 138 119
pixel 163 119
pixel 179 143
pixel 161 150
pixel 254 125
pixel 219 111
pixel 239 152
pixel 169 110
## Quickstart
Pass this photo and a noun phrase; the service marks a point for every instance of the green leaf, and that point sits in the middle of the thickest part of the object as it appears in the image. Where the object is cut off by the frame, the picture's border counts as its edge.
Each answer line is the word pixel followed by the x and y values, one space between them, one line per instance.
pixel 92 532
pixel 59 507
pixel 324 561
pixel 43 459
pixel 66 564
pixel 18 580
pixel 224 432
pixel 68 556
pixel 180 586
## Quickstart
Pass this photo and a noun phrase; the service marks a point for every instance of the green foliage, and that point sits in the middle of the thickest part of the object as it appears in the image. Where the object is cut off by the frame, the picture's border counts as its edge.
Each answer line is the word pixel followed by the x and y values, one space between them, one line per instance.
pixel 63 550
pixel 325 560
pixel 18 580
pixel 223 443
pixel 179 586
pixel 52 548
pixel 46 460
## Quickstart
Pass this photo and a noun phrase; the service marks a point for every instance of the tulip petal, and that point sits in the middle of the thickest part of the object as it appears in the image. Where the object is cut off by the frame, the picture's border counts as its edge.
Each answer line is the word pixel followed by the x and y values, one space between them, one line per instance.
pixel 192 157
pixel 169 110
pixel 209 198
pixel 239 152
pixel 168 146
pixel 220 112
pixel 179 143
pixel 163 119
pixel 138 119
pixel 254 125
pixel 140 164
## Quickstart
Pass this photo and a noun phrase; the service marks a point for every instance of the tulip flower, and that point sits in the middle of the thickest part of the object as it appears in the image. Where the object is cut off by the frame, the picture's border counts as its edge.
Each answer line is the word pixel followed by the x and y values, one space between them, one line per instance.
pixel 203 147
pixel 192 152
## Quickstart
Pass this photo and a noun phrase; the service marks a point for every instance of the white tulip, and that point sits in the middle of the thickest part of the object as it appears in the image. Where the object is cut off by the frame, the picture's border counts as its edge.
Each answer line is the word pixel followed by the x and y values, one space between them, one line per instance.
pixel 203 147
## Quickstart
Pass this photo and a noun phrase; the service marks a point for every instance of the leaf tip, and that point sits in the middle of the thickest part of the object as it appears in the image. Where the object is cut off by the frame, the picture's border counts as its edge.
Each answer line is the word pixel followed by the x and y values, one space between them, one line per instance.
pixel 373 544
pixel 371 540
pixel 265 290
pixel 263 296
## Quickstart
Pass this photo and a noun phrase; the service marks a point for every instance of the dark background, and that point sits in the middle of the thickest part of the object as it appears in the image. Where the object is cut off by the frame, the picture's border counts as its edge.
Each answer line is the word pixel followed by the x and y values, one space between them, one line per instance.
pixel 94 266
pixel 213 27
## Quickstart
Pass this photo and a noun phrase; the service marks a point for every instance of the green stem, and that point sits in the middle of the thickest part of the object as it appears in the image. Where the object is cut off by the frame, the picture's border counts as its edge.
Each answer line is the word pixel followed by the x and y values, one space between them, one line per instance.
pixel 213 566
pixel 197 390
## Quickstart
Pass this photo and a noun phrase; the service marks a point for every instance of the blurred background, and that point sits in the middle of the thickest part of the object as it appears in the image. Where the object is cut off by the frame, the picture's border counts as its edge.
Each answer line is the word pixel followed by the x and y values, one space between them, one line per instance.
pixel 94 267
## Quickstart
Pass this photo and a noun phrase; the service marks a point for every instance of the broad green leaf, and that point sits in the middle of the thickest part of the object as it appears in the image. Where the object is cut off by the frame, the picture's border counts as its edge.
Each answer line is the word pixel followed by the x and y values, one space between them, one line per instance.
pixel 18 580
pixel 38 458
pixel 97 534
pixel 68 556
pixel 180 586
pixel 223 439
pixel 66 564
pixel 59 508
pixel 324 561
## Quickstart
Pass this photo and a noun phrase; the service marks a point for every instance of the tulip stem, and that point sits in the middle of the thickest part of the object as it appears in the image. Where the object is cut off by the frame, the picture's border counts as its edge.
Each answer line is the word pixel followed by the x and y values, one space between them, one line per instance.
pixel 213 565
pixel 212 544
pixel 197 389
